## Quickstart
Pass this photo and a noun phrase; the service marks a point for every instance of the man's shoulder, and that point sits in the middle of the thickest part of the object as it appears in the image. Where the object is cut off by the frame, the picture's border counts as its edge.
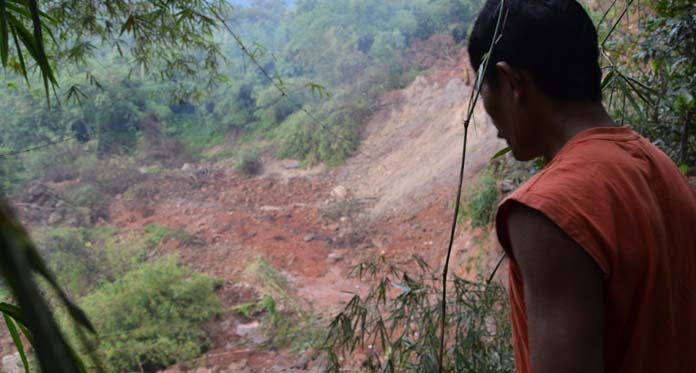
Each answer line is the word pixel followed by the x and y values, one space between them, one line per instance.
pixel 595 165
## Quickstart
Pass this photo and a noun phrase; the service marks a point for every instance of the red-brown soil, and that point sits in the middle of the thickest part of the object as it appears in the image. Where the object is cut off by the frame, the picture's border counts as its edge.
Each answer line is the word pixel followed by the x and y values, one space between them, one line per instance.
pixel 394 198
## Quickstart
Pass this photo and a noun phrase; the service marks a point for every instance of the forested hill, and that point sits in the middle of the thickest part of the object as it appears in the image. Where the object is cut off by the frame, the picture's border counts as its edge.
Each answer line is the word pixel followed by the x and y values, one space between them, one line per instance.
pixel 333 59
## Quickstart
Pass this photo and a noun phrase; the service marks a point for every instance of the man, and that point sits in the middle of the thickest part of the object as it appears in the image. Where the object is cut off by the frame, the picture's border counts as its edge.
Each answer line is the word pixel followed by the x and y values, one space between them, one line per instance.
pixel 601 241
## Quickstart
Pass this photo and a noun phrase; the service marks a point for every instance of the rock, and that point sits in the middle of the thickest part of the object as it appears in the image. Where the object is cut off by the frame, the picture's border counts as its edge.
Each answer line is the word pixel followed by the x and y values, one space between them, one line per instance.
pixel 339 192
pixel 506 187
pixel 202 370
pixel 302 362
pixel 252 331
pixel 309 237
pixel 332 227
pixel 270 208
pixel 186 167
pixel 334 258
pixel 378 243
pixel 54 218
pixel 343 219
pixel 244 330
pixel 240 366
pixel 290 164
pixel 12 363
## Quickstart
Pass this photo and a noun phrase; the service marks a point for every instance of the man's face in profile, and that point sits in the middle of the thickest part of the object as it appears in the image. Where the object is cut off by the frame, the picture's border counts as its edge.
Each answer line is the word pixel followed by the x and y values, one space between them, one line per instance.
pixel 513 104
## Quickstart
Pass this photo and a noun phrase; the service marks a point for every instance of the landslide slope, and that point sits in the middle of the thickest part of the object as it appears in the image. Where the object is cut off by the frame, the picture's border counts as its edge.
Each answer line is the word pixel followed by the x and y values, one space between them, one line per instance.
pixel 412 146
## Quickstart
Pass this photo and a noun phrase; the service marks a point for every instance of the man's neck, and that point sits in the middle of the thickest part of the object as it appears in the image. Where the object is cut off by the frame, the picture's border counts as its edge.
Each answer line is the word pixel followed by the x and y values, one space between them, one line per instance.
pixel 566 120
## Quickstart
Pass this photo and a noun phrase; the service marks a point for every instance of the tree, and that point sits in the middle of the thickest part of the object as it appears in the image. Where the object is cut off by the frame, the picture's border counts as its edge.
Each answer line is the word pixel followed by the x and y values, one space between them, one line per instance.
pixel 164 38
pixel 160 35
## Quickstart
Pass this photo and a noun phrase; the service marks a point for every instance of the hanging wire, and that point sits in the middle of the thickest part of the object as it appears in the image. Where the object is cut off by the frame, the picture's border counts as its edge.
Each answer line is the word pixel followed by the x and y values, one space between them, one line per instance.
pixel 33 148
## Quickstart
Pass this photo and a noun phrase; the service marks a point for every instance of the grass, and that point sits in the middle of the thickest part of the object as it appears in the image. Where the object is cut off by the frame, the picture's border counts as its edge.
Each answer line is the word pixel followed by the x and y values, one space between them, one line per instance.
pixel 155 235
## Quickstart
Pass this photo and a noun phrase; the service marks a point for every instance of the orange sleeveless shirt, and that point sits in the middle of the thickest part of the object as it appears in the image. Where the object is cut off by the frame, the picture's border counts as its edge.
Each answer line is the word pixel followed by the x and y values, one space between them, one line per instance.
pixel 627 205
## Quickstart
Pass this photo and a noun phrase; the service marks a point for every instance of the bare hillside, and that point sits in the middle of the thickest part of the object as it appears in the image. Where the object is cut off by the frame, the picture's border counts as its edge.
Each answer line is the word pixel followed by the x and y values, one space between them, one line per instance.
pixel 412 146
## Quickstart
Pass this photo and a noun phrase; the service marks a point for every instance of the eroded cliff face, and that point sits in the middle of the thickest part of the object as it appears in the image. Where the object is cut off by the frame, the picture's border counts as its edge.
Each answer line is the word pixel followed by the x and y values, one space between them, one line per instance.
pixel 412 146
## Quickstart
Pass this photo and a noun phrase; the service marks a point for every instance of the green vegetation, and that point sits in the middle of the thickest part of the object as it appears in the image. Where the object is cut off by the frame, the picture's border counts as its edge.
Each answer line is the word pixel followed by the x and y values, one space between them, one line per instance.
pixel 248 163
pixel 156 234
pixel 298 46
pixel 482 200
pixel 661 102
pixel 151 317
pixel 84 258
pixel 286 321
pixel 398 322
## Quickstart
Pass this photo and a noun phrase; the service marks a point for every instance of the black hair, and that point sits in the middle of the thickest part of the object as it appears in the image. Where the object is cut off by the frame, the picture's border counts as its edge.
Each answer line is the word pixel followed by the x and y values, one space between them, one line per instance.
pixel 554 40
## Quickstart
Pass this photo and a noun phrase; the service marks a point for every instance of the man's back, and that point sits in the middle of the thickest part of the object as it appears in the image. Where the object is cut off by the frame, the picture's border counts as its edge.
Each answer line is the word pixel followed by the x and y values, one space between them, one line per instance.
pixel 626 204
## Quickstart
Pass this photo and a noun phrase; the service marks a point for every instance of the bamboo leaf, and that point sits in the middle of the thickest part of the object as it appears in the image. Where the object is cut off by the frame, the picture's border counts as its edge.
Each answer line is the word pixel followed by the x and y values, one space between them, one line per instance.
pixel 15 248
pixel 128 25
pixel 608 79
pixel 20 55
pixel 501 153
pixel 13 311
pixel 4 35
pixel 616 23
pixel 17 341
pixel 606 13
pixel 41 59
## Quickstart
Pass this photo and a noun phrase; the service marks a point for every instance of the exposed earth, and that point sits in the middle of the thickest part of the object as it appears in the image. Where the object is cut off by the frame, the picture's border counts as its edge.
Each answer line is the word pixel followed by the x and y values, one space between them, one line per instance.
pixel 393 198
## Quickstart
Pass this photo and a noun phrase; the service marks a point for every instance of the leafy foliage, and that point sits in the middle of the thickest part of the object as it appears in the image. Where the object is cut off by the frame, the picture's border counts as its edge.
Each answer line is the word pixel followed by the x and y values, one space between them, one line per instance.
pixel 248 163
pixel 151 317
pixel 483 199
pixel 397 323
pixel 173 36
pixel 85 258
pixel 370 41
pixel 654 91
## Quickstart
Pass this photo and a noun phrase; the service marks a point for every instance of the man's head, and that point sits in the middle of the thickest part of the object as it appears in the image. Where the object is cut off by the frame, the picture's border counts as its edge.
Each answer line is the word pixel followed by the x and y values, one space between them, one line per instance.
pixel 546 54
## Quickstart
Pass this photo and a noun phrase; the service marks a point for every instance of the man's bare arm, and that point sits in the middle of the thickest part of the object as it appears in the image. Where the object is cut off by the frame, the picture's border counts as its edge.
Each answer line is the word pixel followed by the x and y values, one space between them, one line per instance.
pixel 563 295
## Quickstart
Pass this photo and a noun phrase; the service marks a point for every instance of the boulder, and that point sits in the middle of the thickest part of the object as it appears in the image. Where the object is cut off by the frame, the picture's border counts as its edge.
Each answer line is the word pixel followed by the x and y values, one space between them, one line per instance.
pixel 339 192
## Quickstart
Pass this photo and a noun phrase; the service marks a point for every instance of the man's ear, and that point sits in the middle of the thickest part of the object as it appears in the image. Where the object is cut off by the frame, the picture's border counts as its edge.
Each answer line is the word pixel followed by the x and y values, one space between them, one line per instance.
pixel 511 78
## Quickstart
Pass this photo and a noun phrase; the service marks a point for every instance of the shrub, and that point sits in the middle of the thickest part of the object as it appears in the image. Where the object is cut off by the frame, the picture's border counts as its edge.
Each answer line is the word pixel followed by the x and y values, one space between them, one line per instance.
pixel 197 134
pixel 112 176
pixel 156 234
pixel 151 318
pixel 332 141
pixel 91 200
pixel 248 163
pixel 482 200
pixel 68 255
pixel 83 258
